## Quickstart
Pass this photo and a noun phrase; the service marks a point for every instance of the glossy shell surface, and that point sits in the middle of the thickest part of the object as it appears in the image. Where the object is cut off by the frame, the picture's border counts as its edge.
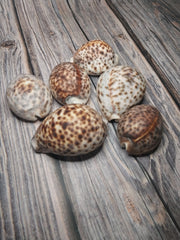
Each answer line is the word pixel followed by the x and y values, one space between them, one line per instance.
pixel 29 98
pixel 71 130
pixel 95 57
pixel 140 129
pixel 69 84
pixel 118 89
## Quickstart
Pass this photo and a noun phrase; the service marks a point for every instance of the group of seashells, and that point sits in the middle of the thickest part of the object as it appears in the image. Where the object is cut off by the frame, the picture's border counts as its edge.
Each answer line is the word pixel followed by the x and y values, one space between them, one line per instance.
pixel 75 128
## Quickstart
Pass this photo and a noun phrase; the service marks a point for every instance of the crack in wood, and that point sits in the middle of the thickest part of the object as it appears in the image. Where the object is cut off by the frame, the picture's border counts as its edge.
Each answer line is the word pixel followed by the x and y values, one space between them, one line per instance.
pixel 7 44
pixel 159 194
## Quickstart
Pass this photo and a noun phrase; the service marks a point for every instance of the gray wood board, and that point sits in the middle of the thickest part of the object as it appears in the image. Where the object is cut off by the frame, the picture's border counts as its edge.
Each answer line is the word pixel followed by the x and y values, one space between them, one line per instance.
pixel 155 27
pixel 33 203
pixel 109 195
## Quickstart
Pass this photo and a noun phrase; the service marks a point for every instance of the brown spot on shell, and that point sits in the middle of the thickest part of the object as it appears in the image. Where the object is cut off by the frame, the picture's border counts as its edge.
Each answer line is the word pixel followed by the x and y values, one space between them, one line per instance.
pixel 64 125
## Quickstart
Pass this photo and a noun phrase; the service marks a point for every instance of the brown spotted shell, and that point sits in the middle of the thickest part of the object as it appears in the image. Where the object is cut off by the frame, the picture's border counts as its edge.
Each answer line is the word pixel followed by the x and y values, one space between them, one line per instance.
pixel 118 89
pixel 69 84
pixel 95 57
pixel 29 98
pixel 140 129
pixel 73 129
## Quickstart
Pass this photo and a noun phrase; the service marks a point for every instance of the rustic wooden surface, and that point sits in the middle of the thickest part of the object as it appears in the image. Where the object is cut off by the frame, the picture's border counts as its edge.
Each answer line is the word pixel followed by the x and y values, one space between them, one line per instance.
pixel 108 195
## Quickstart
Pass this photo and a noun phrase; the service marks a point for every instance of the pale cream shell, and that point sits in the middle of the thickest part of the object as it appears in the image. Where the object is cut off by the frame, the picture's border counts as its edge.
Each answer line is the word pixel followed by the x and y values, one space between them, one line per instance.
pixel 95 57
pixel 29 98
pixel 118 89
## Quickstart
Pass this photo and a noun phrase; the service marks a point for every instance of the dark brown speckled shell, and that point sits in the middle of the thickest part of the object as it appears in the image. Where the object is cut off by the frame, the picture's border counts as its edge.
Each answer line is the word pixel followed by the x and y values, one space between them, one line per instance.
pixel 69 84
pixel 71 130
pixel 140 129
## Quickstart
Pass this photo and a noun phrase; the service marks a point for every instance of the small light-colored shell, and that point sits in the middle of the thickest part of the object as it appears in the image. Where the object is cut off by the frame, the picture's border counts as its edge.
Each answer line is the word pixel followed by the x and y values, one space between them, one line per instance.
pixel 95 57
pixel 140 129
pixel 118 89
pixel 29 98
pixel 71 130
pixel 69 84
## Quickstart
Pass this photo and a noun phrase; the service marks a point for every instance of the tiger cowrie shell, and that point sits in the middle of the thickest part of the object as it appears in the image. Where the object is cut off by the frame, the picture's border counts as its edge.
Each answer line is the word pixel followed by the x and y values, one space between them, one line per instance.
pixel 95 57
pixel 29 98
pixel 69 84
pixel 140 129
pixel 71 130
pixel 118 89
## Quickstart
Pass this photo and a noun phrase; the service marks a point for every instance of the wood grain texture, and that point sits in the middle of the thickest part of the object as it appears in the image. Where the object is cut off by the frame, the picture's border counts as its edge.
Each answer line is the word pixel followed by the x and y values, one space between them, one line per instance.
pixel 155 27
pixel 33 203
pixel 129 54
pixel 108 195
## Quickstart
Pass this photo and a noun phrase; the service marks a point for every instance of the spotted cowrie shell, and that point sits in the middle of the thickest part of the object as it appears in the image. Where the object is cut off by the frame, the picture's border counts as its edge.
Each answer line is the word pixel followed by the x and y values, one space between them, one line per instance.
pixel 140 129
pixel 95 57
pixel 70 84
pixel 71 130
pixel 29 98
pixel 118 89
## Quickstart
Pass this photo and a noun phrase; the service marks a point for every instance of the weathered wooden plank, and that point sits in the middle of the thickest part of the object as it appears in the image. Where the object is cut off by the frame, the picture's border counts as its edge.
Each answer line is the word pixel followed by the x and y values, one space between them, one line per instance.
pixel 110 195
pixel 33 203
pixel 156 93
pixel 155 27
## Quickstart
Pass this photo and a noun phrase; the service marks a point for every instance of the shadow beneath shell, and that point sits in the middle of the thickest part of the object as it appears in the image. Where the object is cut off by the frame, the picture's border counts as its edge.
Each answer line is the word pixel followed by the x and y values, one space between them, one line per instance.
pixel 78 158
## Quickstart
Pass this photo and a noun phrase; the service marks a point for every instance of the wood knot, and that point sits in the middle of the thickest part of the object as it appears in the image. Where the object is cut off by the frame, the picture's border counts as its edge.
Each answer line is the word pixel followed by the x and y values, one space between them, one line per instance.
pixel 122 36
pixel 7 44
